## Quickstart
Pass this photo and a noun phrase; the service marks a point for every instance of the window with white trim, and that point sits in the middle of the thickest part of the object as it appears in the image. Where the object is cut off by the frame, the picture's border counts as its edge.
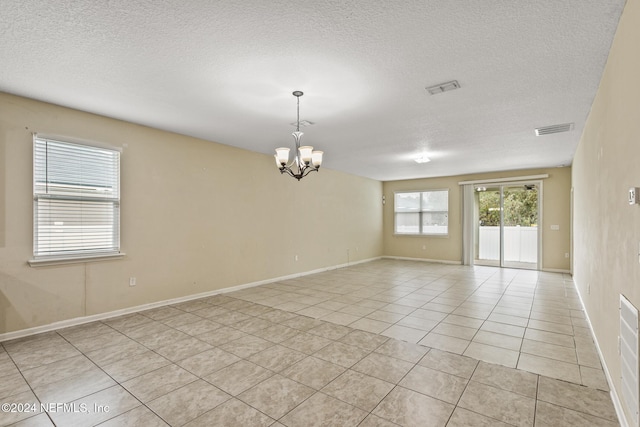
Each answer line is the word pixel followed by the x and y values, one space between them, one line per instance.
pixel 76 200
pixel 422 212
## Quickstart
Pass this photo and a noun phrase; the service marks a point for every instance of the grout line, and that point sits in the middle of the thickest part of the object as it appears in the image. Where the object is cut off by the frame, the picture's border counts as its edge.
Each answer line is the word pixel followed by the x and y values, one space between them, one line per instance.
pixel 445 291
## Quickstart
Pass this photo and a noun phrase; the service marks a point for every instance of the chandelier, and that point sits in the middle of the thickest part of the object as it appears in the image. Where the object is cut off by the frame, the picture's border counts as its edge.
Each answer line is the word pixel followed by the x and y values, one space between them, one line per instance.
pixel 306 160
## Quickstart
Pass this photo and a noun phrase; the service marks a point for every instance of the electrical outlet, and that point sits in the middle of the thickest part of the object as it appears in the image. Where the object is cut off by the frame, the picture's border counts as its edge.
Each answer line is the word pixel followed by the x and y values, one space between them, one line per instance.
pixel 132 281
pixel 295 258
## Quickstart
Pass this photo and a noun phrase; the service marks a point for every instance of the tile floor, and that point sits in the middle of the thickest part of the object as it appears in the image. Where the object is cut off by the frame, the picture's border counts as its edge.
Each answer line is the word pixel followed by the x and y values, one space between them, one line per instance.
pixel 384 343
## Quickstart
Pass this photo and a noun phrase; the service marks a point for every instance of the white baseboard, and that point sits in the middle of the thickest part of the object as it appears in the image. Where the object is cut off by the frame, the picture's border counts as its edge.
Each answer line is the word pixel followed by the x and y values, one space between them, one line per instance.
pixel 101 316
pixel 441 261
pixel 617 404
pixel 437 261
pixel 556 270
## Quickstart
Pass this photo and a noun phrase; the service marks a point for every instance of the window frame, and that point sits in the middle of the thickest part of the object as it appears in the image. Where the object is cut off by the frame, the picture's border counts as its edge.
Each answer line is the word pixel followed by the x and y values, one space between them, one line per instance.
pixel 420 213
pixel 112 203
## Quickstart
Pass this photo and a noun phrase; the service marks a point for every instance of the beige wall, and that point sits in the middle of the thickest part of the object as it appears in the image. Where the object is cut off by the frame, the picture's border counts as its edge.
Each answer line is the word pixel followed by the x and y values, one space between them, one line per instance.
pixel 556 208
pixel 606 164
pixel 195 216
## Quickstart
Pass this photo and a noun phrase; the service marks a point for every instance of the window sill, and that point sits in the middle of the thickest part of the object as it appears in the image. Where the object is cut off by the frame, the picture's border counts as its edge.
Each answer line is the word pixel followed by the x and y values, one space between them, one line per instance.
pixel 44 262
pixel 420 235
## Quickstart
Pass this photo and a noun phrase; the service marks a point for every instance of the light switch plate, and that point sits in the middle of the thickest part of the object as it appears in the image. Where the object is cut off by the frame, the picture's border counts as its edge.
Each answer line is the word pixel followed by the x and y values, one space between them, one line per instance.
pixel 634 193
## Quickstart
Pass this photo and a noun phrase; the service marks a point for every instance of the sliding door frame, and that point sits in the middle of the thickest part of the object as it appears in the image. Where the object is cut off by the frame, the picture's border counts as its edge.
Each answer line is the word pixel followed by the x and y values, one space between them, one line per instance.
pixel 501 184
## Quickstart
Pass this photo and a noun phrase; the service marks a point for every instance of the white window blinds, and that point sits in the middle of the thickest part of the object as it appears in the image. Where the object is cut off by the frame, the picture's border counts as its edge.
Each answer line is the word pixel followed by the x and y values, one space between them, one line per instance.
pixel 422 213
pixel 76 191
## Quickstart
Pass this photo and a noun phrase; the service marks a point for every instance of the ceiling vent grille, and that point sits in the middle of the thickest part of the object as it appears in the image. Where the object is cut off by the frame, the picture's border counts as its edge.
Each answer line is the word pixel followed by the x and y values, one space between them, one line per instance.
pixel 443 87
pixel 547 130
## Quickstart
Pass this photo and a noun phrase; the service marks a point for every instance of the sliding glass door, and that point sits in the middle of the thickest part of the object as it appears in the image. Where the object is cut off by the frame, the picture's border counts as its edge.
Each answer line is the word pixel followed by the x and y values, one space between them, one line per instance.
pixel 506 230
pixel 488 230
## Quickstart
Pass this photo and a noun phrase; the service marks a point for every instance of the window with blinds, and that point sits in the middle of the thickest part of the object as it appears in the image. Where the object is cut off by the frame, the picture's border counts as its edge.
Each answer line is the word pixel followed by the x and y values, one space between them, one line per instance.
pixel 76 193
pixel 422 212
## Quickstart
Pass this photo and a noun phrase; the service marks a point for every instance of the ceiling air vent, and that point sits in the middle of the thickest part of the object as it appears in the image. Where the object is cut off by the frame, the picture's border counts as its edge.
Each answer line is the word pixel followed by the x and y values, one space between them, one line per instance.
pixel 547 130
pixel 443 87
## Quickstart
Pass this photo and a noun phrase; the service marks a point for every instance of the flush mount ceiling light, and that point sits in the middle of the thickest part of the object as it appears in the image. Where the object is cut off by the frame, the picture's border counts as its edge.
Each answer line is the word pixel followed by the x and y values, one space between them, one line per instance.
pixel 422 159
pixel 306 160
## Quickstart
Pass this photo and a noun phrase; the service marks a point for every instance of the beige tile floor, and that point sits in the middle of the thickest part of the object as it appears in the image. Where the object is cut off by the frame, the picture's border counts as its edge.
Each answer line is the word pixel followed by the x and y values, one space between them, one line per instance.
pixel 384 343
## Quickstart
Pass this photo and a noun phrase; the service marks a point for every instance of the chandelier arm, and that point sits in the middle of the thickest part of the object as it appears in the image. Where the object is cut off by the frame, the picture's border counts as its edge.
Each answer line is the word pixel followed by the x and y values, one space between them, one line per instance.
pixel 292 174
pixel 307 171
pixel 288 172
pixel 301 173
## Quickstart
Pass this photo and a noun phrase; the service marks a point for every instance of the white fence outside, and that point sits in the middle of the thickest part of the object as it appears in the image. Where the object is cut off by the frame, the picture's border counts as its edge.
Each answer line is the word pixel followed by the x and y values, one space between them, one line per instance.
pixel 520 244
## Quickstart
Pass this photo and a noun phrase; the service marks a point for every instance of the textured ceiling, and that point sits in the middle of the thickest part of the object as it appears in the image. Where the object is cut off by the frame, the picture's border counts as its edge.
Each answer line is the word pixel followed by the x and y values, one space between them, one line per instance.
pixel 224 71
